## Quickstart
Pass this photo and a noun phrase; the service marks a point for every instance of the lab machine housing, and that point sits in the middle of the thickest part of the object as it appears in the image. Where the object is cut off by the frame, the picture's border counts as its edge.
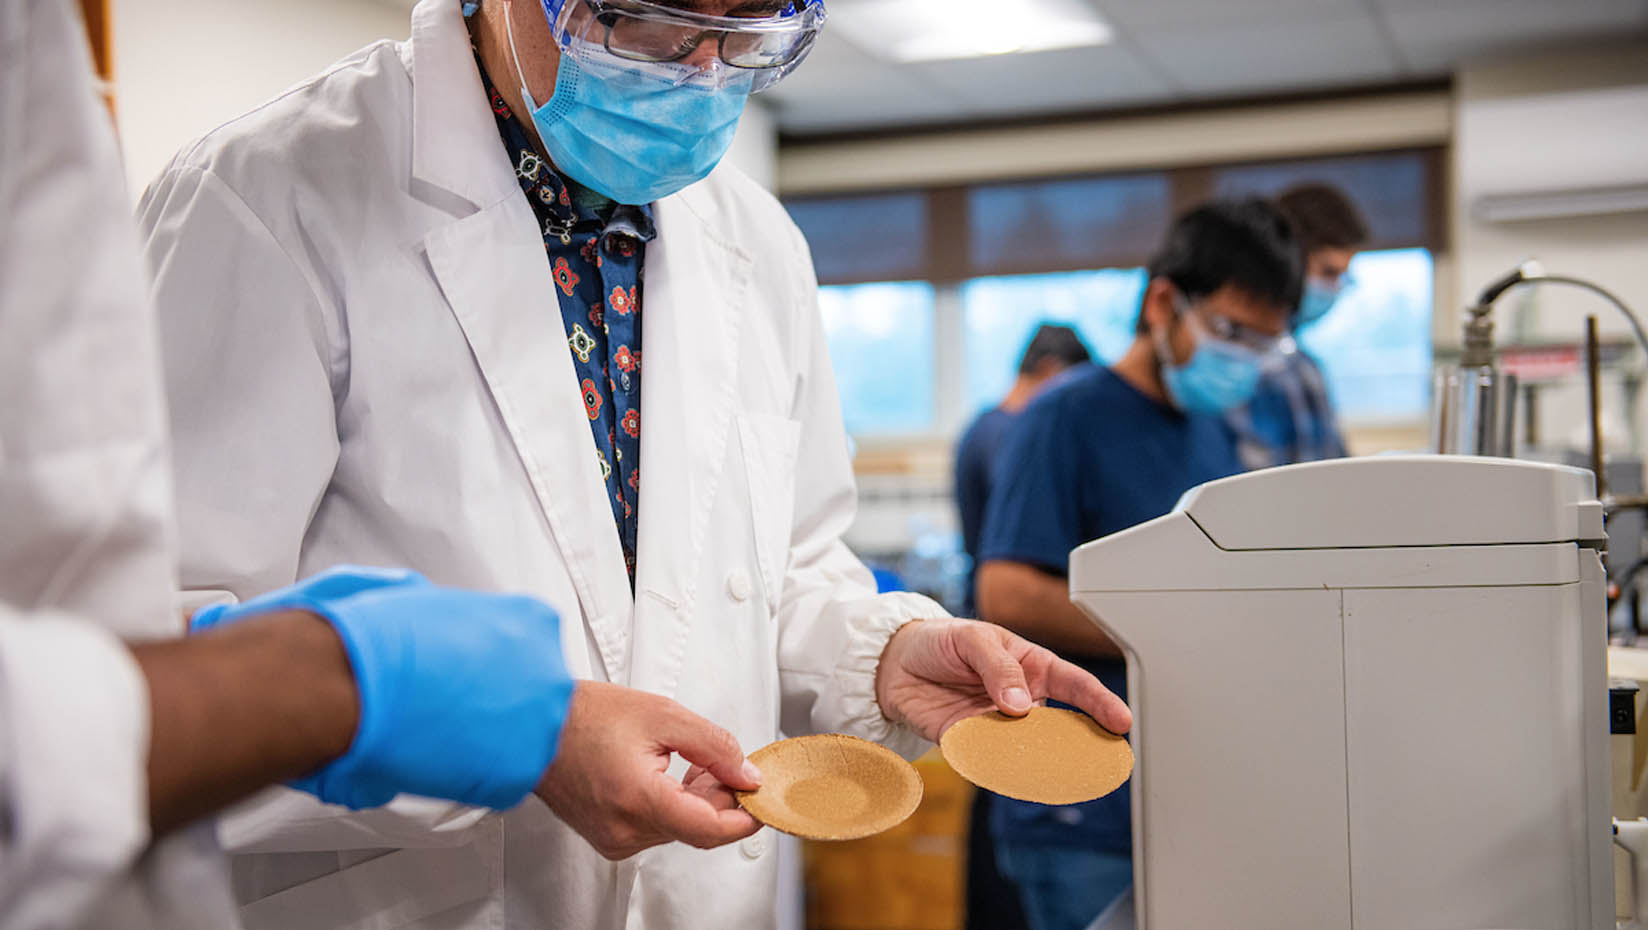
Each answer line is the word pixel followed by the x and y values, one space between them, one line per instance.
pixel 1369 694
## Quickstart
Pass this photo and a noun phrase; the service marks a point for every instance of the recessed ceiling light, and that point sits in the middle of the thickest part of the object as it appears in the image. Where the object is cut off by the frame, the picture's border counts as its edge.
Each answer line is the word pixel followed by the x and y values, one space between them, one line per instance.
pixel 935 30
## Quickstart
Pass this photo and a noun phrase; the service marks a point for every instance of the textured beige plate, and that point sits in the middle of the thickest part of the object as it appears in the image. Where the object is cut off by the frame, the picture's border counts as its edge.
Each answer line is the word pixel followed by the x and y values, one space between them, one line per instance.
pixel 831 787
pixel 1050 756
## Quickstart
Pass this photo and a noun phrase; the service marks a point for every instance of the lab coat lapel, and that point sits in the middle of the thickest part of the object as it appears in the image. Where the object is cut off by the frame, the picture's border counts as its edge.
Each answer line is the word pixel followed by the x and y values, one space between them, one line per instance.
pixel 455 145
pixel 692 306
pixel 491 268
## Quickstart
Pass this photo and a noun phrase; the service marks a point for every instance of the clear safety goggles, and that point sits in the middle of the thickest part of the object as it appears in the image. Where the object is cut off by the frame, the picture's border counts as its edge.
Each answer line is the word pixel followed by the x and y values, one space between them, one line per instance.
pixel 1227 330
pixel 761 49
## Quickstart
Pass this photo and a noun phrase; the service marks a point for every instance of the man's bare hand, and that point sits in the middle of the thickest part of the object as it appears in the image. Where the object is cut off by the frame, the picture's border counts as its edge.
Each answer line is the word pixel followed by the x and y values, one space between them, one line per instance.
pixel 936 672
pixel 609 781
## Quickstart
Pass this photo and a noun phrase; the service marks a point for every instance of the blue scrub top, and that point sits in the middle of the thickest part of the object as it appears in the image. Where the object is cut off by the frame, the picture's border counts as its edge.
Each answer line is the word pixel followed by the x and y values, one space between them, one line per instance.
pixel 974 456
pixel 1090 457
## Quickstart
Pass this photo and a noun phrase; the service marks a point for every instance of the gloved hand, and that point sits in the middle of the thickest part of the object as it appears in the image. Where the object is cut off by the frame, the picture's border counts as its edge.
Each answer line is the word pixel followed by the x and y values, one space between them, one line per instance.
pixel 462 694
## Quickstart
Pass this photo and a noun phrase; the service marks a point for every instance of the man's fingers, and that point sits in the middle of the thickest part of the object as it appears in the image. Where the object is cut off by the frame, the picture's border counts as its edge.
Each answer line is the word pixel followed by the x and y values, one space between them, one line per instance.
pixel 706 745
pixel 1003 677
pixel 718 795
pixel 1077 687
pixel 697 820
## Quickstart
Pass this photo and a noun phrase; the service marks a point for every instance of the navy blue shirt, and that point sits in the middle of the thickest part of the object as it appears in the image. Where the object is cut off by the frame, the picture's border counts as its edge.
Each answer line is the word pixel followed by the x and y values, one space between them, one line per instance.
pixel 1090 457
pixel 977 449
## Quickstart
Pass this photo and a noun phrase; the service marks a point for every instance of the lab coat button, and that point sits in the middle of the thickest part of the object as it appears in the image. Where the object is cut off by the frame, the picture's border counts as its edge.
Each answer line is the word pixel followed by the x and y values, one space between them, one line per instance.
pixel 752 847
pixel 738 585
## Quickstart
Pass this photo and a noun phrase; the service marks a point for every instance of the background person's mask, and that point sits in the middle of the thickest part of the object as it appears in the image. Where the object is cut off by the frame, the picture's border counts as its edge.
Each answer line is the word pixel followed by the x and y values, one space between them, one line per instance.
pixel 1317 301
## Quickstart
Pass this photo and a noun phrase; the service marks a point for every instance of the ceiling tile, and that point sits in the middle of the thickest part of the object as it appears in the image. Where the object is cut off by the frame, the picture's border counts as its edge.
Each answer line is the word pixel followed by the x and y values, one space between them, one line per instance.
pixel 1148 15
pixel 1170 51
pixel 1304 53
pixel 840 87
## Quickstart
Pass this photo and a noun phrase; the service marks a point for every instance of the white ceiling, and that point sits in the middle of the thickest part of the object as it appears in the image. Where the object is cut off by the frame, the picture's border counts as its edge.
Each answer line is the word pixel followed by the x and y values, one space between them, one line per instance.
pixel 1184 51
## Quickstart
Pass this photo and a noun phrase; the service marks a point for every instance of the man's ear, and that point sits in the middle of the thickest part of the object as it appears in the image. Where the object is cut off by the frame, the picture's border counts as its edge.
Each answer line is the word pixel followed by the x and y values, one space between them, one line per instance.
pixel 1158 304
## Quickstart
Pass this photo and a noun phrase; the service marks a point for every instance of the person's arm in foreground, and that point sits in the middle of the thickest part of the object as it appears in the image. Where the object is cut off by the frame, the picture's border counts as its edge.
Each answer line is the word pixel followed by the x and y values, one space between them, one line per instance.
pixel 273 699
pixel 235 710
pixel 433 692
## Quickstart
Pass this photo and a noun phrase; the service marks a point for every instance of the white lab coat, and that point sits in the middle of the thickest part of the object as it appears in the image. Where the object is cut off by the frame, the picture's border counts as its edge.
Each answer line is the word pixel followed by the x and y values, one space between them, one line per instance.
pixel 85 514
pixel 366 363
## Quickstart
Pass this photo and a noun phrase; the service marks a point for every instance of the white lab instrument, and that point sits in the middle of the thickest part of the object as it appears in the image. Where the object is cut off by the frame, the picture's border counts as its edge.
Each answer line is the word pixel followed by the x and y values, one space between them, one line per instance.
pixel 1369 693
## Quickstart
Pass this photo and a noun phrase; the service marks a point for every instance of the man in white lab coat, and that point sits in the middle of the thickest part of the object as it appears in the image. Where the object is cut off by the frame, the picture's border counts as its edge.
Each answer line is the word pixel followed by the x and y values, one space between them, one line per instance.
pixel 115 734
pixel 402 308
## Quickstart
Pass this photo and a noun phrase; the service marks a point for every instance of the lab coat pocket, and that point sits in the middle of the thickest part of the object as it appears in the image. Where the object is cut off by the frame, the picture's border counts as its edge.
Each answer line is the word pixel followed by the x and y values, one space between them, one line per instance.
pixel 396 891
pixel 769 444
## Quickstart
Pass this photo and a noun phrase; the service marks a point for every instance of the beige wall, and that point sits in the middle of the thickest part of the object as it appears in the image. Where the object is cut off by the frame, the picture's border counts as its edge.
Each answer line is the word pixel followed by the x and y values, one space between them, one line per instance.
pixel 184 66
pixel 1567 122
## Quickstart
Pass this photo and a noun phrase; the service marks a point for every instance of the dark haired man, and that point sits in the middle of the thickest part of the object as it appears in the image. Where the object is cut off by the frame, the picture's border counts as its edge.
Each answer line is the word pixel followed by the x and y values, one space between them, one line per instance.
pixel 1103 450
pixel 1291 418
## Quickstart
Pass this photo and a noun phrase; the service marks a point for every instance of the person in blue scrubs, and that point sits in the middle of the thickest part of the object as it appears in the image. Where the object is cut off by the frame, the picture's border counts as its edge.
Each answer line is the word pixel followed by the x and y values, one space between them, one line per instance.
pixel 992 903
pixel 1103 450
pixel 1291 417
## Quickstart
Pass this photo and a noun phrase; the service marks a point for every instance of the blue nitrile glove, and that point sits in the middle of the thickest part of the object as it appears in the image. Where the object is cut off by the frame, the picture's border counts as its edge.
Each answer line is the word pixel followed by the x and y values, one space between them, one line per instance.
pixel 462 694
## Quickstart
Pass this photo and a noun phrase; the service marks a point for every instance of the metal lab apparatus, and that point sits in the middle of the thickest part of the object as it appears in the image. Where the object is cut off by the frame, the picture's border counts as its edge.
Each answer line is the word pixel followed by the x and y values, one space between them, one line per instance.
pixel 1370 694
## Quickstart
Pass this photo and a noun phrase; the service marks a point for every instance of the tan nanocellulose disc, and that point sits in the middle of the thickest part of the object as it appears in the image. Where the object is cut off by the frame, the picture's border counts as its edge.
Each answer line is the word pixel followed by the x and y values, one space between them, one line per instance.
pixel 832 787
pixel 1050 756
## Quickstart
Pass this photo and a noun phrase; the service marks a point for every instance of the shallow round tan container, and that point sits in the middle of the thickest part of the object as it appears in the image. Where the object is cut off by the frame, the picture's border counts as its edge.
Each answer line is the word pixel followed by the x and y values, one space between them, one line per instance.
pixel 1050 756
pixel 831 787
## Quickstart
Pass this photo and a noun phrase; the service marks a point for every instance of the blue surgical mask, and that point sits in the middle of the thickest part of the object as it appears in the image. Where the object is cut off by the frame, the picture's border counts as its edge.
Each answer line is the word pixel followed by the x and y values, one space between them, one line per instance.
pixel 1219 375
pixel 633 132
pixel 1318 299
